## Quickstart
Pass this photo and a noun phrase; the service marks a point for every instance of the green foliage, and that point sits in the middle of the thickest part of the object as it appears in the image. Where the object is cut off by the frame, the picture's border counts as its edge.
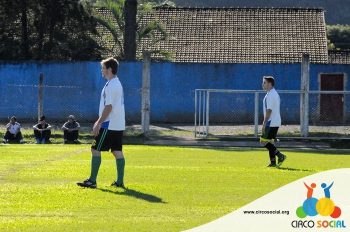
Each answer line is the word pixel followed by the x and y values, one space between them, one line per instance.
pixel 47 30
pixel 338 37
pixel 115 25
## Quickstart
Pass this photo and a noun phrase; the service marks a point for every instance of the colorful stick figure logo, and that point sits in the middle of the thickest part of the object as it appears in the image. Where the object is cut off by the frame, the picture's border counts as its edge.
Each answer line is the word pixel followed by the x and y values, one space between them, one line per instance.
pixel 323 206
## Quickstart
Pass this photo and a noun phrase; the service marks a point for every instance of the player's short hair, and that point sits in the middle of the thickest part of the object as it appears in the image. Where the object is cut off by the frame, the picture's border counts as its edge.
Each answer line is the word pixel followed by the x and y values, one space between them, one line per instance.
pixel 71 117
pixel 111 63
pixel 42 118
pixel 270 79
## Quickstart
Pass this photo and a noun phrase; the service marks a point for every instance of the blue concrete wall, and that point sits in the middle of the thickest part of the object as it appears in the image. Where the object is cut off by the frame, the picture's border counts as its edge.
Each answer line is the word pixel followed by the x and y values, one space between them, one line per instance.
pixel 81 98
pixel 172 89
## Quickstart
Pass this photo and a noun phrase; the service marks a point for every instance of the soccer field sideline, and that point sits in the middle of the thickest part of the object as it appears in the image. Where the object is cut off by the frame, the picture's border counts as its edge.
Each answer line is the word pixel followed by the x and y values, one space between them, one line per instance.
pixel 170 188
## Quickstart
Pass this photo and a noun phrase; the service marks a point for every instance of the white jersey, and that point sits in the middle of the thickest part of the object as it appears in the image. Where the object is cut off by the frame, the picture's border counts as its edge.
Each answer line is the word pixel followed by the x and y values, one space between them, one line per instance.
pixel 112 94
pixel 272 102
pixel 14 128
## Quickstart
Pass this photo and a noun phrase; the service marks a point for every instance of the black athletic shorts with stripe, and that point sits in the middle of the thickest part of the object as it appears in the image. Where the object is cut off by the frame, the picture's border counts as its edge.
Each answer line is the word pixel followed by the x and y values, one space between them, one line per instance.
pixel 108 140
pixel 270 132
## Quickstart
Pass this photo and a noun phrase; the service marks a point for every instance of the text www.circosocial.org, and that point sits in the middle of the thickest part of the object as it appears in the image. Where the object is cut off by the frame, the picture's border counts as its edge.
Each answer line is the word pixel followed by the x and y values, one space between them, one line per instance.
pixel 272 212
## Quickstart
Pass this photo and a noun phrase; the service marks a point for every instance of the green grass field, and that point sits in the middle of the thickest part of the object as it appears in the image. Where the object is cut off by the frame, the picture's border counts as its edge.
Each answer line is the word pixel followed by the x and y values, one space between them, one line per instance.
pixel 169 188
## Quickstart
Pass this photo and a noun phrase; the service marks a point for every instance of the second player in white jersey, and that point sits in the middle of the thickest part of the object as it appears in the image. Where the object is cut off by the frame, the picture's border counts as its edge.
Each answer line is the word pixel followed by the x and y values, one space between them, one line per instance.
pixel 272 102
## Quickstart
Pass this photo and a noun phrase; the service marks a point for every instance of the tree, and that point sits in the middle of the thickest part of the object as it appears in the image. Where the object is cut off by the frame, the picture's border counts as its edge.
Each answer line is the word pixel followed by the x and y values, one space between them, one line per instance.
pixel 10 31
pixel 130 14
pixel 110 15
pixel 59 30
pixel 338 37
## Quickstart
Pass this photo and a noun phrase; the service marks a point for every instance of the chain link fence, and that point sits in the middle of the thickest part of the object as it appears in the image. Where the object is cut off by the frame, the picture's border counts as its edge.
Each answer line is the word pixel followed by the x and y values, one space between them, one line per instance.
pixel 239 113
pixel 36 99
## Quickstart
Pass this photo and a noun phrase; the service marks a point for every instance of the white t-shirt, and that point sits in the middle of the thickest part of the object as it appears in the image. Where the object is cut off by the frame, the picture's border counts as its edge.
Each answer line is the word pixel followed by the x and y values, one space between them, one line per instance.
pixel 14 128
pixel 272 102
pixel 112 94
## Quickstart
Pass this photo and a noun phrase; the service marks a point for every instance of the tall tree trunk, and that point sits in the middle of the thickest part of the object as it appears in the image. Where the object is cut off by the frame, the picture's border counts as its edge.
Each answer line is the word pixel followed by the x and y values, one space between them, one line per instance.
pixel 24 22
pixel 130 29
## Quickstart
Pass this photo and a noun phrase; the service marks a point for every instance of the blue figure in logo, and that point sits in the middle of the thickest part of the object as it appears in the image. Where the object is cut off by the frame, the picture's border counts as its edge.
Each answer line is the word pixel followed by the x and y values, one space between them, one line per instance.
pixel 327 193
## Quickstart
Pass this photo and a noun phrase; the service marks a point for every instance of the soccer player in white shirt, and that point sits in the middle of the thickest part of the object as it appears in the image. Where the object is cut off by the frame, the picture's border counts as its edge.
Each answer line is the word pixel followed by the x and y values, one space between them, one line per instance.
pixel 13 131
pixel 272 121
pixel 109 127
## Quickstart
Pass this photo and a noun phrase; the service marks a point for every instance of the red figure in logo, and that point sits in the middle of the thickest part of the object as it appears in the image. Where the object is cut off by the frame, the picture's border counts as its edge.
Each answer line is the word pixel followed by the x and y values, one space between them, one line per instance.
pixel 310 190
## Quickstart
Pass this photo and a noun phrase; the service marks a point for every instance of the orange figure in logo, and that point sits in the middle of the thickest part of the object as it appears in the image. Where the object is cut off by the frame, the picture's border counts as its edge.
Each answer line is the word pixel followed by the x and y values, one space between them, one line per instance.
pixel 310 190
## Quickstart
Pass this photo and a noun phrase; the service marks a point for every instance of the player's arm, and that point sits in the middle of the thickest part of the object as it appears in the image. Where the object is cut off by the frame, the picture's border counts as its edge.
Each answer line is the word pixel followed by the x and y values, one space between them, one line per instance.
pixel 8 126
pixel 269 105
pixel 77 127
pixel 266 118
pixel 64 127
pixel 97 126
pixel 48 127
pixel 35 127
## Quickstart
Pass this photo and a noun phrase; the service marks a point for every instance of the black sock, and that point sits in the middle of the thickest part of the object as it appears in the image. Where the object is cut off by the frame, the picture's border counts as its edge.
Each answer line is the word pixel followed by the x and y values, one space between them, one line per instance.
pixel 272 152
pixel 272 158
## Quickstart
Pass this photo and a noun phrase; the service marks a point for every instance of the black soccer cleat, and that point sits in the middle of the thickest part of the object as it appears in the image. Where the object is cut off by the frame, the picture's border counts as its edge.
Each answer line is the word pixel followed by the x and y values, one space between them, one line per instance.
pixel 87 184
pixel 115 184
pixel 271 165
pixel 281 159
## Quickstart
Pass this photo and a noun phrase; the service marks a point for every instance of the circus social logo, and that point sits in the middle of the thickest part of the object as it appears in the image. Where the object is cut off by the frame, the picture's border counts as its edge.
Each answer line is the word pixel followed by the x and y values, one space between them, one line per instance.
pixel 324 207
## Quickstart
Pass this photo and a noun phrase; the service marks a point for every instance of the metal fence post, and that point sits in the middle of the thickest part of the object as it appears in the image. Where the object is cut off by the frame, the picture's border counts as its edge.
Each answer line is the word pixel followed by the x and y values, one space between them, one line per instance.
pixel 40 96
pixel 304 96
pixel 207 114
pixel 195 113
pixel 203 113
pixel 146 99
pixel 256 114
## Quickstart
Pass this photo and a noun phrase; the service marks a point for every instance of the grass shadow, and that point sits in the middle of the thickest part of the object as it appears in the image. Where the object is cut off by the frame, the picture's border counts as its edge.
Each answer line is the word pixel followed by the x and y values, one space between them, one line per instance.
pixel 136 194
pixel 295 169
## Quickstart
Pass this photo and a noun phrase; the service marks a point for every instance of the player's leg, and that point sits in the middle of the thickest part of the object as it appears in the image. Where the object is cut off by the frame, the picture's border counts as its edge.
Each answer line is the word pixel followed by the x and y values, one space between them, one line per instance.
pixel 120 164
pixel 117 150
pixel 65 136
pixel 7 137
pixel 75 135
pixel 19 137
pixel 37 136
pixel 69 136
pixel 281 157
pixel 267 141
pixel 95 164
pixel 97 146
pixel 46 136
pixel 273 151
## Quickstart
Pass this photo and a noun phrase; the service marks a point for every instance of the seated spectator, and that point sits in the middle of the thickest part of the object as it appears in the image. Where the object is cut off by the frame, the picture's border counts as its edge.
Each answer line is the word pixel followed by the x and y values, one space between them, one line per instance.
pixel 71 130
pixel 13 132
pixel 42 131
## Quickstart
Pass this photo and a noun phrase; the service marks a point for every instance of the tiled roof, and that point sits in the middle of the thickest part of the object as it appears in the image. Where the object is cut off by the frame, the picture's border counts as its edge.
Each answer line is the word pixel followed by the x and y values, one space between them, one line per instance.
pixel 339 57
pixel 242 35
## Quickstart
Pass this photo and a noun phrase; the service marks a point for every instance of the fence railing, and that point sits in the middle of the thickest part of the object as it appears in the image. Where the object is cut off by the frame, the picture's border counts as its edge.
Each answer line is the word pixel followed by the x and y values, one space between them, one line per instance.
pixel 224 112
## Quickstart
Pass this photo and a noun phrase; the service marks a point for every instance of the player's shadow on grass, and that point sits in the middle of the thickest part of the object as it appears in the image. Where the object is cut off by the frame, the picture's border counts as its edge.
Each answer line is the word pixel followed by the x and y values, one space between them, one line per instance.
pixel 135 194
pixel 296 169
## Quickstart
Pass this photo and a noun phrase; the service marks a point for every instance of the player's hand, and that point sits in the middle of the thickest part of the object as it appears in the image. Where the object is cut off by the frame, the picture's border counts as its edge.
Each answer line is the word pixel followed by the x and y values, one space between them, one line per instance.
pixel 96 129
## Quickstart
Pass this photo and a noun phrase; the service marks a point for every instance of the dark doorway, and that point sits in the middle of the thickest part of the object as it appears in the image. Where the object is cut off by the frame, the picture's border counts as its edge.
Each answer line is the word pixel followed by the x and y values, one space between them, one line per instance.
pixel 332 105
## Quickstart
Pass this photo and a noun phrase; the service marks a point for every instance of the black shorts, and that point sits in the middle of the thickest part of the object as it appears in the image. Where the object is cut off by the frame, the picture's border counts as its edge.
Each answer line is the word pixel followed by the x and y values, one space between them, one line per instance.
pixel 108 140
pixel 270 132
